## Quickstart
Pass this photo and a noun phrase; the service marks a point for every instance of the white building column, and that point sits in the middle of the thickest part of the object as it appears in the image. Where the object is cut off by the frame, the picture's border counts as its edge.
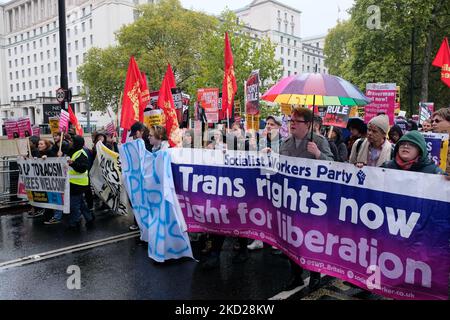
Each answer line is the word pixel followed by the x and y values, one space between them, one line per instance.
pixel 33 17
pixel 13 16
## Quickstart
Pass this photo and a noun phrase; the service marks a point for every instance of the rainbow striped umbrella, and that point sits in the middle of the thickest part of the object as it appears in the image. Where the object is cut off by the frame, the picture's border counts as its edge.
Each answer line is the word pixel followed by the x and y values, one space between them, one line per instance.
pixel 316 89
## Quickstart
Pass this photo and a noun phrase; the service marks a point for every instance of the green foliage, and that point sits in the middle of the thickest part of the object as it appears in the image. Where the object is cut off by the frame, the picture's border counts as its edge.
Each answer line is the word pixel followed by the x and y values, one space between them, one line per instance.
pixel 362 55
pixel 192 42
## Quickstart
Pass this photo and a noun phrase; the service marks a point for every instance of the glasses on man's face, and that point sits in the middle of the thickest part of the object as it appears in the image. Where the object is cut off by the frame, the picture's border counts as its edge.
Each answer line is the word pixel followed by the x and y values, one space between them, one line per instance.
pixel 297 121
pixel 435 121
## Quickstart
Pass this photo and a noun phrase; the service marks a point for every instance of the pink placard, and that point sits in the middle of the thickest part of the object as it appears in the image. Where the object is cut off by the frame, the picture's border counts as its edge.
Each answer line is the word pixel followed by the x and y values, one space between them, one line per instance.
pixel 12 130
pixel 64 121
pixel 24 125
pixel 383 101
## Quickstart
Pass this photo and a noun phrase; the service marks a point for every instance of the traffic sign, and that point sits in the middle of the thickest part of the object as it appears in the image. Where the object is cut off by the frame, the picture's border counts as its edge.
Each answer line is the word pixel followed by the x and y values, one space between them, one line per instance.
pixel 60 95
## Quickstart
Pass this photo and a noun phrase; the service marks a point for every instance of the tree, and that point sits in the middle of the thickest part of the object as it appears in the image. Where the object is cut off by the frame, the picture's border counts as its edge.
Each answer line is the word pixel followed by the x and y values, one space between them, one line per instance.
pixel 192 42
pixel 385 54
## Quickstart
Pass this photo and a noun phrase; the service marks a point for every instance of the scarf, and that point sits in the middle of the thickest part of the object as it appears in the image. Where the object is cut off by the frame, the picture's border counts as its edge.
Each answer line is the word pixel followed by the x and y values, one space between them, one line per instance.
pixel 405 165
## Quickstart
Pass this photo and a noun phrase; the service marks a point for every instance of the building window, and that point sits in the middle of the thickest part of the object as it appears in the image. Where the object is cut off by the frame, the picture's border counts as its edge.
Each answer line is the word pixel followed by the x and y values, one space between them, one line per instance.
pixel 90 24
pixel 17 75
pixel 289 41
pixel 69 62
pixel 40 43
pixel 282 50
pixel 48 67
pixel 54 52
pixel 56 65
pixel 28 59
pixel 56 79
pixel 307 59
pixel 29 85
pixel 49 81
pixel 21 48
pixel 42 56
pixel 77 60
pixel 282 61
pixel 292 18
pixel 279 14
pixel 17 87
pixel 68 46
pixel 35 71
pixel 29 72
pixel 292 30
pixel 76 45
pixel 84 43
pixel 54 38
pixel 43 84
pixel 11 87
pixel 281 39
pixel 70 76
pixel 83 27
pixel 307 68
pixel 42 68
pixel 36 84
pixel 34 44
pixel 47 39
pixel 289 52
pixel 91 39
pixel 285 28
pixel 48 54
pixel 279 26
pixel 289 73
pixel 295 64
pixel 289 63
pixel 295 53
pixel 15 50
pixel 68 33
pixel 35 57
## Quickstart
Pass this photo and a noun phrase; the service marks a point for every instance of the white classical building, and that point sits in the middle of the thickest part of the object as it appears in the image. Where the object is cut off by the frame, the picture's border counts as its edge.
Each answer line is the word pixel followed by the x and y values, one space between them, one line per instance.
pixel 29 51
pixel 281 23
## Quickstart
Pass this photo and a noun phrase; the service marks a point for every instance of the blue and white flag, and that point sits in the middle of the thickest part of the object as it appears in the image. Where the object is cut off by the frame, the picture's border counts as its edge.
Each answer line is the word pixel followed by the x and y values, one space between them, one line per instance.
pixel 149 184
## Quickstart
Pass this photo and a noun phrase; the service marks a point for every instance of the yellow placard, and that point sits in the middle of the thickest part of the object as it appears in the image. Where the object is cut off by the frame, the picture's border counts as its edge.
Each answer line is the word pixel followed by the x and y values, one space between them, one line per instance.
pixel 252 122
pixel 54 125
pixel 286 109
pixel 444 153
pixel 153 118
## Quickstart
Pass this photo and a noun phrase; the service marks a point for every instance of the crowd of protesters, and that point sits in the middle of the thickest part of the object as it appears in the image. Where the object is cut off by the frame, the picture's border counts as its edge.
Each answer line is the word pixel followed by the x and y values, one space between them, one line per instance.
pixel 375 144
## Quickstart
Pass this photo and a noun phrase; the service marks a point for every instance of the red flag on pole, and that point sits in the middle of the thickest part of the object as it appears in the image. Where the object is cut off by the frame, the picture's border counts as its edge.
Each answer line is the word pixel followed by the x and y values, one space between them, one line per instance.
pixel 229 86
pixel 442 60
pixel 132 106
pixel 166 104
pixel 74 120
pixel 145 93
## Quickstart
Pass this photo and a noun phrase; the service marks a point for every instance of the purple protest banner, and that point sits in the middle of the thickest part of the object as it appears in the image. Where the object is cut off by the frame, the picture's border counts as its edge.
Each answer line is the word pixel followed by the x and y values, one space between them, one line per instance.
pixel 24 125
pixel 64 121
pixel 437 146
pixel 12 130
pixel 358 225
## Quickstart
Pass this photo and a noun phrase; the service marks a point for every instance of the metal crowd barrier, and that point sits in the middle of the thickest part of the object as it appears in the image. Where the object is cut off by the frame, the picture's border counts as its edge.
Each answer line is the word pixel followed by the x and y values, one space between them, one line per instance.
pixel 9 176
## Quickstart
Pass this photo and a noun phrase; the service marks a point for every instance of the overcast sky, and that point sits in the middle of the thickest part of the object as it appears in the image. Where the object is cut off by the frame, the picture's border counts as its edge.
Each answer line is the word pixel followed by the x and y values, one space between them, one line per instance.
pixel 317 15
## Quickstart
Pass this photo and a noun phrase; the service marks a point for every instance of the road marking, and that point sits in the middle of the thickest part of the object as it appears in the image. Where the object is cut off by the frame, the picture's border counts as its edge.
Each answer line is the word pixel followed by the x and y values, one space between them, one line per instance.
pixel 283 295
pixel 62 251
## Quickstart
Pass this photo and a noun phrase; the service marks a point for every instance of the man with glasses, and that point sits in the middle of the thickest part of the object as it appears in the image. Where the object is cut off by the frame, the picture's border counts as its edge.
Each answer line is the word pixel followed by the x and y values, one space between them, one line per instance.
pixel 298 144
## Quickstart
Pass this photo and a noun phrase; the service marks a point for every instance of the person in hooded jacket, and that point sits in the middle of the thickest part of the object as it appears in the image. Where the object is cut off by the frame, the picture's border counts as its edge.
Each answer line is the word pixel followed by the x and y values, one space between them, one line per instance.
pixel 411 154
pixel 79 182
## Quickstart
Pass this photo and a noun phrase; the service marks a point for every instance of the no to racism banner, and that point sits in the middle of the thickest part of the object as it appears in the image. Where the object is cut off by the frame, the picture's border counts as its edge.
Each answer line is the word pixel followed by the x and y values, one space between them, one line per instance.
pixel 106 179
pixel 149 184
pixel 382 97
pixel 384 227
pixel 45 182
pixel 437 146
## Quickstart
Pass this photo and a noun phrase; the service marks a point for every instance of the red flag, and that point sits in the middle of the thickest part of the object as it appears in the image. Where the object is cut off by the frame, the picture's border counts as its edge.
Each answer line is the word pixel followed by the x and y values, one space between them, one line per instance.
pixel 145 93
pixel 442 60
pixel 170 76
pixel 132 106
pixel 74 120
pixel 165 103
pixel 229 86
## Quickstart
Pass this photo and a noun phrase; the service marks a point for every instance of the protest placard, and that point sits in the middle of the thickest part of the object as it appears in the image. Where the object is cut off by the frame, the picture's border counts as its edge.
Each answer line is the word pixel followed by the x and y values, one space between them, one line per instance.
pixel 24 125
pixel 252 94
pixel 53 122
pixel 46 182
pixel 36 131
pixel 12 129
pixel 336 116
pixel 106 179
pixel 382 96
pixel 64 121
pixel 437 146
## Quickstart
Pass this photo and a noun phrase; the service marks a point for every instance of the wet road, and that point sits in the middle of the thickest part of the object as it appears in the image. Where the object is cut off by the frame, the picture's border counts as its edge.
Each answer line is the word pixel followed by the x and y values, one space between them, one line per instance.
pixel 122 270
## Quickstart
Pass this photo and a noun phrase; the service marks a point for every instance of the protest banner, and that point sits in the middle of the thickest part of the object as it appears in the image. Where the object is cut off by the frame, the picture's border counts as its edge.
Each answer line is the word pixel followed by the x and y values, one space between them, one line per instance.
pixel 388 229
pixel 24 125
pixel 252 94
pixel 336 116
pixel 437 146
pixel 64 121
pixel 12 129
pixel 106 179
pixel 382 96
pixel 153 117
pixel 45 182
pixel 149 184
pixel 54 124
